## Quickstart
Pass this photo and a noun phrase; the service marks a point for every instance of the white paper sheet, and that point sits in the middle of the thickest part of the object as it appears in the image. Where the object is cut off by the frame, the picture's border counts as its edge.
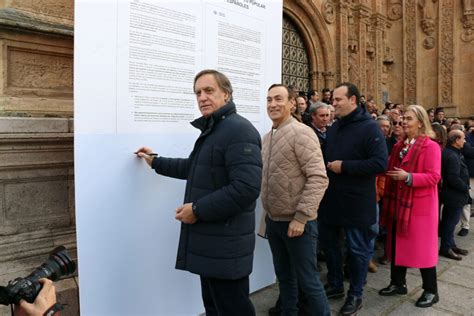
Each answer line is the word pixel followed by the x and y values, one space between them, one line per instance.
pixel 134 66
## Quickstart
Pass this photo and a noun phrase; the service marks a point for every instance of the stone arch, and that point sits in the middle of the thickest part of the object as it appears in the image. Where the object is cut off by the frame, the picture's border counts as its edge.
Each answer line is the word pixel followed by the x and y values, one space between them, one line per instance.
pixel 313 30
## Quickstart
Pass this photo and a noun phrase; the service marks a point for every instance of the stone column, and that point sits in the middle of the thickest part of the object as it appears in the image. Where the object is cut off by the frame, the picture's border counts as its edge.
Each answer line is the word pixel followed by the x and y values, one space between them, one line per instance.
pixel 379 23
pixel 409 53
pixel 446 54
pixel 342 40
pixel 328 80
pixel 364 15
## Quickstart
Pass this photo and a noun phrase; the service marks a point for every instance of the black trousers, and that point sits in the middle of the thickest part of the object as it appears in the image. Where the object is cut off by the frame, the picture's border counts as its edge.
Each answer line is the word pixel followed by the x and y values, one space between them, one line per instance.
pixel 398 273
pixel 226 297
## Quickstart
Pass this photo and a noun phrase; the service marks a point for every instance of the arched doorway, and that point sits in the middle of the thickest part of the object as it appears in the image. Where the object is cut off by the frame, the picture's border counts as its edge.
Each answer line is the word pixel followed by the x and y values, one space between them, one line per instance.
pixel 295 61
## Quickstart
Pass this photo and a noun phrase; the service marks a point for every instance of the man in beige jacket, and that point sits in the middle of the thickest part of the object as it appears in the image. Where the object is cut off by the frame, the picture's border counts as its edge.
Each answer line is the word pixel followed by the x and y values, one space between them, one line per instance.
pixel 294 182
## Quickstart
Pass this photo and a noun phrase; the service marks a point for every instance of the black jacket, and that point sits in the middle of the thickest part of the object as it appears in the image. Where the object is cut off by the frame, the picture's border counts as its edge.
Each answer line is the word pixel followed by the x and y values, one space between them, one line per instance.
pixel 468 152
pixel 223 177
pixel 350 198
pixel 321 137
pixel 455 176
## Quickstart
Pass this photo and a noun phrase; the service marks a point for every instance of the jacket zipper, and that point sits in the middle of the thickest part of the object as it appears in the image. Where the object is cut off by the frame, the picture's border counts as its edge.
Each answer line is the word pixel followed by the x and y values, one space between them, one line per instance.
pixel 188 191
pixel 268 163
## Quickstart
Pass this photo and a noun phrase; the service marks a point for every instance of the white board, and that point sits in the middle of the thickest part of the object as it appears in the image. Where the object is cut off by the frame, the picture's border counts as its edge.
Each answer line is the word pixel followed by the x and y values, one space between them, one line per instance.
pixel 134 66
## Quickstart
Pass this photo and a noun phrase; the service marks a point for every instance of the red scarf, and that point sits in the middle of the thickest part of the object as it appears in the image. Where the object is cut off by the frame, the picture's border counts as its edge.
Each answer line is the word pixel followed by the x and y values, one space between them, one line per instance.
pixel 398 202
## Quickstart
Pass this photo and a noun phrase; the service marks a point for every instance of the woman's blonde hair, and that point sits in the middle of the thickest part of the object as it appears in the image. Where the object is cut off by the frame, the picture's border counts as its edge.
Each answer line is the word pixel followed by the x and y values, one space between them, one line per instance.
pixel 423 118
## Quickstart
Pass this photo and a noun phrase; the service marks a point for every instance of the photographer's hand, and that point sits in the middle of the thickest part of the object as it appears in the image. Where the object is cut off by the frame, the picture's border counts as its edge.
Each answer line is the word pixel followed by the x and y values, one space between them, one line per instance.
pixel 45 299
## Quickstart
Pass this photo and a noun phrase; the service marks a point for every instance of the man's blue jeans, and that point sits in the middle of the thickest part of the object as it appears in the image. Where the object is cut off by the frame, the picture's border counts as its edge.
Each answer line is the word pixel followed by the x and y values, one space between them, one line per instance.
pixel 359 250
pixel 375 231
pixel 449 220
pixel 294 260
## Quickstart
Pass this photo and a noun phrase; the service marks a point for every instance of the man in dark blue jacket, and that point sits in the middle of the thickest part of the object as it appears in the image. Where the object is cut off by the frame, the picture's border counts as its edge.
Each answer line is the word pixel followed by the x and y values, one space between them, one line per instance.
pixel 355 154
pixel 454 193
pixel 223 176
pixel 468 152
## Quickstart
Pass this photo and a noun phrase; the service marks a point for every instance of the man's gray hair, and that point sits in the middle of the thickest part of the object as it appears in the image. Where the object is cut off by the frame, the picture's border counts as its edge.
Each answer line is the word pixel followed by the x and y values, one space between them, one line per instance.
pixel 384 118
pixel 453 136
pixel 222 81
pixel 316 106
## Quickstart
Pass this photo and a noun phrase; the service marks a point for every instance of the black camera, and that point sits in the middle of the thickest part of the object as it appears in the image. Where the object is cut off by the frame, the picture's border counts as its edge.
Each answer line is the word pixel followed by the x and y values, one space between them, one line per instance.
pixel 59 264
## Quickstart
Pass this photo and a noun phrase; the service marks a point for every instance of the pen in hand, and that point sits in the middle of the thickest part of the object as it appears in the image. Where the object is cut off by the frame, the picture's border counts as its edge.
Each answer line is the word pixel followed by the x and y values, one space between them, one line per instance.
pixel 149 154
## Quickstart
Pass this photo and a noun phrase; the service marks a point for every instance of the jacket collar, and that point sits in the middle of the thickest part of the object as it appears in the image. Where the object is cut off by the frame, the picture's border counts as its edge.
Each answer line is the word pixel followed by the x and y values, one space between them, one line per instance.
pixel 359 114
pixel 450 147
pixel 205 125
pixel 285 122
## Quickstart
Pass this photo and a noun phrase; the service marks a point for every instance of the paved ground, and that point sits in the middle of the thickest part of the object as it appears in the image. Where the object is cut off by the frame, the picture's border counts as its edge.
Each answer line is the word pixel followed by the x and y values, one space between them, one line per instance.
pixel 455 286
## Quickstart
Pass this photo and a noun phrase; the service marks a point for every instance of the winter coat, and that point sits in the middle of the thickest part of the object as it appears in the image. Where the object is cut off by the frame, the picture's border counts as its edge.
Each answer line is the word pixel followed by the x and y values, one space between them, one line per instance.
pixel 357 140
pixel 455 184
pixel 419 247
pixel 223 179
pixel 294 176
pixel 468 152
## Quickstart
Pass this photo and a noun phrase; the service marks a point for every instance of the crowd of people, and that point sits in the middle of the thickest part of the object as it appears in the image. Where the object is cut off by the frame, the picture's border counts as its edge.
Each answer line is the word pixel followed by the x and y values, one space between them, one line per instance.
pixel 422 193
pixel 333 176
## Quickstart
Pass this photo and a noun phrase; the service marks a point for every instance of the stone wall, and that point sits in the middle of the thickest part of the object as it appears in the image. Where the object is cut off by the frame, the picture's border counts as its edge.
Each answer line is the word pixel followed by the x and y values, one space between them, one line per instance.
pixel 36 139
pixel 403 51
pixel 36 195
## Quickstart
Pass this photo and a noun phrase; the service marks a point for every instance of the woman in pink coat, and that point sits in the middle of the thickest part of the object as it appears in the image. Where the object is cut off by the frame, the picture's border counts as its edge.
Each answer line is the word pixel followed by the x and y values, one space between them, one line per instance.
pixel 411 201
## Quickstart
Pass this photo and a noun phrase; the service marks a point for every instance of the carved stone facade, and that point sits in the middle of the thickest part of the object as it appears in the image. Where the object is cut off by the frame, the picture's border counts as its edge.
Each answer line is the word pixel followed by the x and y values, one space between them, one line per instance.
pixel 467 20
pixel 418 51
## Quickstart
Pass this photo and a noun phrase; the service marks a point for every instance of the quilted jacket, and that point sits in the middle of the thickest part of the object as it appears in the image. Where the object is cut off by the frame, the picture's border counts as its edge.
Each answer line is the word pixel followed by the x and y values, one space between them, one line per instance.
pixel 294 176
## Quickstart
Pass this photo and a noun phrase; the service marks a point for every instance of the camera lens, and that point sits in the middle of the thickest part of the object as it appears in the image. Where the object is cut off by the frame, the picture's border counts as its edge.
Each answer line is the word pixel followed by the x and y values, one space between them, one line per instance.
pixel 58 264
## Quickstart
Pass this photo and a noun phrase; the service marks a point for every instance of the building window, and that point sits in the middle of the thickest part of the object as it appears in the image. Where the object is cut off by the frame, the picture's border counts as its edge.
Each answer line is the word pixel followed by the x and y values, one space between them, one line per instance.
pixel 295 65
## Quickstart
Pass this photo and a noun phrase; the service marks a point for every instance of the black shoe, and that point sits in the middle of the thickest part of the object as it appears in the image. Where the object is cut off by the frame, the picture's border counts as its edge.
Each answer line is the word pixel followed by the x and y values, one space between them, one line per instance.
pixel 351 306
pixel 393 289
pixel 333 293
pixel 427 299
pixel 460 251
pixel 450 254
pixel 463 232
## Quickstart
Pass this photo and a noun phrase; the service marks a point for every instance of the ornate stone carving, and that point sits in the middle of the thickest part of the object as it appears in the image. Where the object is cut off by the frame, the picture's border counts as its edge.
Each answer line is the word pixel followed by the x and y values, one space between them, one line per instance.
pixel 410 52
pixel 370 76
pixel 329 11
pixel 395 10
pixel 429 42
pixel 353 42
pixel 55 9
pixel 446 52
pixel 354 69
pixel 468 20
pixel 39 70
pixel 370 47
pixel 328 78
pixel 388 54
pixel 428 15
pixel 428 21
